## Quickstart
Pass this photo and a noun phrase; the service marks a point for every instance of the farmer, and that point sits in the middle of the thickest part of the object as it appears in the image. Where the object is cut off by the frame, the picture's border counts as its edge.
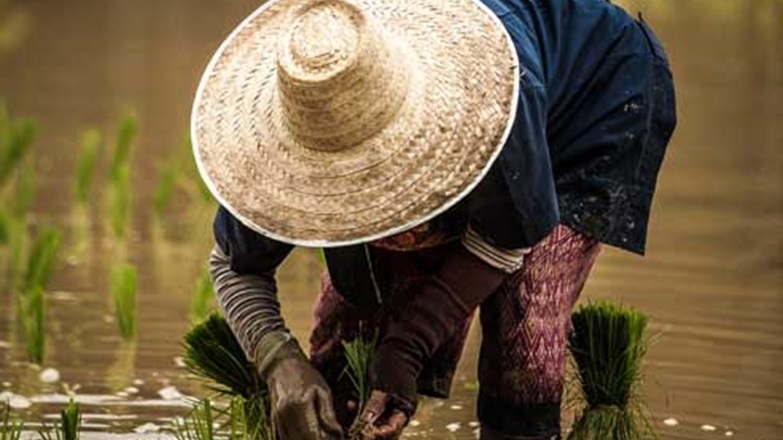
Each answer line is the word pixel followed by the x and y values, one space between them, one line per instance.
pixel 448 156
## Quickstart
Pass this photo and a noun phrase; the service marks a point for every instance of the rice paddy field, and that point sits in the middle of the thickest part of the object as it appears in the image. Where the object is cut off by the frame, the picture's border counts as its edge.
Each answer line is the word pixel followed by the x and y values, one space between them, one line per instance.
pixel 104 227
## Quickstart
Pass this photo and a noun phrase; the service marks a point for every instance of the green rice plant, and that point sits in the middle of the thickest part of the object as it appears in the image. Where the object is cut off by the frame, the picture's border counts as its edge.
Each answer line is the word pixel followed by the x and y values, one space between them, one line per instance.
pixel 67 428
pixel 206 422
pixel 202 298
pixel 123 291
pixel 166 184
pixel 24 191
pixel 42 258
pixel 127 128
pixel 88 160
pixel 32 312
pixel 608 344
pixel 10 429
pixel 119 202
pixel 17 243
pixel 16 137
pixel 199 424
pixel 358 355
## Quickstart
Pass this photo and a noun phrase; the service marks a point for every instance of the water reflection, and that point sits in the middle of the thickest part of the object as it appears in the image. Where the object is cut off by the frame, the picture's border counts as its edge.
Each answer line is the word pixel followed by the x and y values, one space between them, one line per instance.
pixel 711 281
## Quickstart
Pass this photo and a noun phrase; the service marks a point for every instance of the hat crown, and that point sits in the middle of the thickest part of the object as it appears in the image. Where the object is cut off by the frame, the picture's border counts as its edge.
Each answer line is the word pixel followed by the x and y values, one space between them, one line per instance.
pixel 339 79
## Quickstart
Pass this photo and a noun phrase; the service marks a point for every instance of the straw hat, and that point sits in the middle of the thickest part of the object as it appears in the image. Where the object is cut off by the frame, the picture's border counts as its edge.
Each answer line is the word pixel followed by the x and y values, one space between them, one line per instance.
pixel 333 122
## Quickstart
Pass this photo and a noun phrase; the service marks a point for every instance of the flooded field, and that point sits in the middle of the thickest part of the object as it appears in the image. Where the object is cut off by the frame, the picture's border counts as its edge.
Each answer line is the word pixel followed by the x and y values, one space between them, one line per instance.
pixel 712 281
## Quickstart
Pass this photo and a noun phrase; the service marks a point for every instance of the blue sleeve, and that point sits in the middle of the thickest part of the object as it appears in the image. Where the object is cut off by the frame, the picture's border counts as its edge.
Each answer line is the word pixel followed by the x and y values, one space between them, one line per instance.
pixel 249 251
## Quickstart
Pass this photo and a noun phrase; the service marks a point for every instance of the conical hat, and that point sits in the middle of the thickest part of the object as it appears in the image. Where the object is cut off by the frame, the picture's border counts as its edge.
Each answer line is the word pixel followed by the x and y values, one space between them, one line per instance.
pixel 334 122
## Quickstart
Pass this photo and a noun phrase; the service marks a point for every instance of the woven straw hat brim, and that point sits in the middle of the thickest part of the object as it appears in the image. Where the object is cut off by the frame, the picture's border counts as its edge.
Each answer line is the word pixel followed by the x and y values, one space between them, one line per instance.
pixel 461 91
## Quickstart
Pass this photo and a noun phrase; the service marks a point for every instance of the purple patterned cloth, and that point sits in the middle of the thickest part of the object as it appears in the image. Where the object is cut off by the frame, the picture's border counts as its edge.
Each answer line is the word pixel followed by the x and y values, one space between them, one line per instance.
pixel 525 326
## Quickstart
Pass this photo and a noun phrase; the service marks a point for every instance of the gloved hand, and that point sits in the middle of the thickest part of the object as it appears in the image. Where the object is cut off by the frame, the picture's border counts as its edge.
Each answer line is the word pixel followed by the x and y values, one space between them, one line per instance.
pixel 441 305
pixel 301 399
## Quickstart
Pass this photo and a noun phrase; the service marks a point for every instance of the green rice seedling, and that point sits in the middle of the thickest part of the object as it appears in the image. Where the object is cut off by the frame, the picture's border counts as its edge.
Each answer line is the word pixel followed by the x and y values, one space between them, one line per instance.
pixel 608 344
pixel 32 311
pixel 358 354
pixel 16 137
pixel 24 191
pixel 126 133
pixel 123 291
pixel 119 202
pixel 202 298
pixel 199 423
pixel 206 422
pixel 17 243
pixel 10 429
pixel 251 419
pixel 88 160
pixel 166 184
pixel 43 256
pixel 67 428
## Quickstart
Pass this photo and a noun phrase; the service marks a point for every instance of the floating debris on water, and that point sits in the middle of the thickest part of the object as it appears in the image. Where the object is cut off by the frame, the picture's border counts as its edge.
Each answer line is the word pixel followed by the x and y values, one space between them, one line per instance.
pixel 729 433
pixel 170 393
pixel 474 424
pixel 453 427
pixel 15 401
pixel 49 375
pixel 671 421
pixel 455 407
pixel 179 361
pixel 146 428
pixel 138 382
pixel 708 428
pixel 132 390
pixel 5 344
pixel 414 423
pixel 7 384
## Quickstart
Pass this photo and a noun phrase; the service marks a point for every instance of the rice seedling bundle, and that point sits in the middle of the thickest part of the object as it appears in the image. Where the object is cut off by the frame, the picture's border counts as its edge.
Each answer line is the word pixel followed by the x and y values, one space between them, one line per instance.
pixel 608 344
pixel 213 353
pixel 123 291
pixel 88 160
pixel 119 202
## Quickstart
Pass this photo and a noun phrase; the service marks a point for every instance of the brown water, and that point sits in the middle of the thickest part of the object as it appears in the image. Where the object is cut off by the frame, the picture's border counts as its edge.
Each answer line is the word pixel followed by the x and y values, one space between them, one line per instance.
pixel 712 280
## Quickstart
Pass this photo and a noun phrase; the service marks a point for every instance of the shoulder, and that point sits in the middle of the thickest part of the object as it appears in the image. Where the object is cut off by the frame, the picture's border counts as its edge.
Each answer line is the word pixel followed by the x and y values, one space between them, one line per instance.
pixel 249 251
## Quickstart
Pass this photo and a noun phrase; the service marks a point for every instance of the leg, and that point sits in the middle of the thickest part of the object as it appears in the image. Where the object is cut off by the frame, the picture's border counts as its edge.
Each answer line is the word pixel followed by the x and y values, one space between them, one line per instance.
pixel 525 331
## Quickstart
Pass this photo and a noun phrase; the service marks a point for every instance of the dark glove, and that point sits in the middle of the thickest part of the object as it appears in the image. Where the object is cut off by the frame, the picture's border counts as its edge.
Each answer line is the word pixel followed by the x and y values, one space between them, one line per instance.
pixel 439 307
pixel 301 400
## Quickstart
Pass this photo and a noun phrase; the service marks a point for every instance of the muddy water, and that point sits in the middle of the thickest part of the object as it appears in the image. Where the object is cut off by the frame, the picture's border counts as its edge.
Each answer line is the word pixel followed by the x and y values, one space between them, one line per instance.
pixel 712 280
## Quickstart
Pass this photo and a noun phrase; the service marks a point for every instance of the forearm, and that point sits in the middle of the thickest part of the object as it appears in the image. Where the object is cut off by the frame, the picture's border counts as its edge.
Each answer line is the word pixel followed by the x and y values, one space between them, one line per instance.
pixel 249 303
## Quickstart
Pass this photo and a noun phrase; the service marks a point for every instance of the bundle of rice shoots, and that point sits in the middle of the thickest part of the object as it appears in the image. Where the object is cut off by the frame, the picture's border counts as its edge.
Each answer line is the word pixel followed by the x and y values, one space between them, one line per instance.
pixel 608 344
pixel 213 353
